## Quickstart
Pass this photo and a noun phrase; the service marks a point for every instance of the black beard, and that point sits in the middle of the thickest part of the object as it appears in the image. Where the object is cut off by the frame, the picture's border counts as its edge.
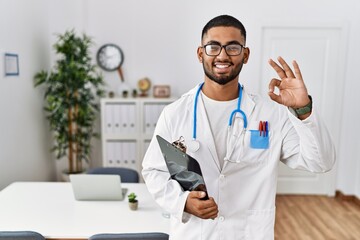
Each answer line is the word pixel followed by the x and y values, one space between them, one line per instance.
pixel 223 80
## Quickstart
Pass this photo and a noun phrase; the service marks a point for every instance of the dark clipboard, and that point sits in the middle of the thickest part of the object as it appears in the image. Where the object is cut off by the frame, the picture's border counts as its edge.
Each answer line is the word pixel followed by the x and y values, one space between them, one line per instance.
pixel 182 167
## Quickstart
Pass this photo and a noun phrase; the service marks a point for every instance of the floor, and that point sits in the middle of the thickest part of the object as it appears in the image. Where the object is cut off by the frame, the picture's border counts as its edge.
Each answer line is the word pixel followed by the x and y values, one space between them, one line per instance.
pixel 304 217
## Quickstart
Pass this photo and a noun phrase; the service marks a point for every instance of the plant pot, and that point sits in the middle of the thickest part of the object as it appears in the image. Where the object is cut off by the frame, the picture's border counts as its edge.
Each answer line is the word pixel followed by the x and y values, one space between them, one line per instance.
pixel 65 175
pixel 133 205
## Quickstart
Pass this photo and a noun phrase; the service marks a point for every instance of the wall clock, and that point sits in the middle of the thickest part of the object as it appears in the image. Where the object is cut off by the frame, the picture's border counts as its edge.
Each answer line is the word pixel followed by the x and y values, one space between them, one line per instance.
pixel 110 58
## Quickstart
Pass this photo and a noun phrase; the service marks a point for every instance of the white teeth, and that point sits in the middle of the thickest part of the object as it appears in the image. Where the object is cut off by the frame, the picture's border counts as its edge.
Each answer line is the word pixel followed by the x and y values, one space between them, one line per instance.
pixel 222 66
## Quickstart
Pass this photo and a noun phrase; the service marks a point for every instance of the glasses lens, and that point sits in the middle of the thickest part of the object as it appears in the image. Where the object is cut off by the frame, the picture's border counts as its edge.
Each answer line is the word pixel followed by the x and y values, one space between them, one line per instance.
pixel 212 49
pixel 233 49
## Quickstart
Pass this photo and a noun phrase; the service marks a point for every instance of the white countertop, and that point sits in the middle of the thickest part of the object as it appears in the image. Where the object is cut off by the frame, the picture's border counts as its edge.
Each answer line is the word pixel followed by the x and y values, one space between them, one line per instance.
pixel 51 209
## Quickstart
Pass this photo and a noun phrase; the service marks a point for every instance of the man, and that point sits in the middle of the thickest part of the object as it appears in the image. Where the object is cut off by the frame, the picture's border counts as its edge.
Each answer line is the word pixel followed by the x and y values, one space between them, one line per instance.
pixel 238 153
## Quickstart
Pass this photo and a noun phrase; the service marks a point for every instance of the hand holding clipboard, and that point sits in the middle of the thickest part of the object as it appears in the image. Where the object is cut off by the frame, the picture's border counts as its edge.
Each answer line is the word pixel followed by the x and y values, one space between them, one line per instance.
pixel 182 167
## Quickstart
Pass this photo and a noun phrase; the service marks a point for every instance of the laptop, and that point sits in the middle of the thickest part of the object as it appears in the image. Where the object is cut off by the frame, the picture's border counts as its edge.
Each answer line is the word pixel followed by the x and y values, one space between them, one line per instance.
pixel 97 187
pixel 182 167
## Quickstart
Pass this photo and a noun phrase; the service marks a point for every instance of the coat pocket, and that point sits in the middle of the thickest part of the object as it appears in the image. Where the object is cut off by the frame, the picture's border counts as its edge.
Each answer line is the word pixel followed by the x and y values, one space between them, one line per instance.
pixel 260 224
pixel 253 148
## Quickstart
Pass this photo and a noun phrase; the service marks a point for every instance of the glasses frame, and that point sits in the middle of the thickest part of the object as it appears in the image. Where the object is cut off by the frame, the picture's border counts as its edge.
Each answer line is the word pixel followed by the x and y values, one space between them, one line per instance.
pixel 221 47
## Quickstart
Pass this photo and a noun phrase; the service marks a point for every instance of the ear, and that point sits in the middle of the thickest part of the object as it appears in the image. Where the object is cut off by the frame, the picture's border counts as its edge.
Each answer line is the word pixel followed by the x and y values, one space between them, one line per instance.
pixel 200 54
pixel 246 55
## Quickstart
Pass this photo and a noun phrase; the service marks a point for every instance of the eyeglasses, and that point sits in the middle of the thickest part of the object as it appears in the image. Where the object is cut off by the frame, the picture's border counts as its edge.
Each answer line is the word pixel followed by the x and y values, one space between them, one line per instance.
pixel 232 49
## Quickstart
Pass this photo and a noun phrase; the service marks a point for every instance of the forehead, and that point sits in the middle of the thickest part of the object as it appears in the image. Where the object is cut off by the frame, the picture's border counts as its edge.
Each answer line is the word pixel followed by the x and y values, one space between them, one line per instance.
pixel 223 35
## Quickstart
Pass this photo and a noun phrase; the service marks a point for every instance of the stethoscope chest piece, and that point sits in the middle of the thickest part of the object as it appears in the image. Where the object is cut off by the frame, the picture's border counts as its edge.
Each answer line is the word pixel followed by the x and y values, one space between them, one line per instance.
pixel 193 145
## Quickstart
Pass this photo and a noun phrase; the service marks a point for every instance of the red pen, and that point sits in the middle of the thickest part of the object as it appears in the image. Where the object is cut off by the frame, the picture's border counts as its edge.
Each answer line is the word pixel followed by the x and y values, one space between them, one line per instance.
pixel 264 128
pixel 260 127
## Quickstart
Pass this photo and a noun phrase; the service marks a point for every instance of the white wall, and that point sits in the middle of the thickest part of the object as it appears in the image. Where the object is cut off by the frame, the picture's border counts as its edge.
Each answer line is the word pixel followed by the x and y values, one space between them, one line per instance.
pixel 24 153
pixel 159 39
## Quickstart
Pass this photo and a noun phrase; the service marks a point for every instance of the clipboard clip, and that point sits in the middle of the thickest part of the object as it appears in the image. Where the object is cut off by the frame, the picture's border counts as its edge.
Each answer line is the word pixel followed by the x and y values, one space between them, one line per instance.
pixel 179 144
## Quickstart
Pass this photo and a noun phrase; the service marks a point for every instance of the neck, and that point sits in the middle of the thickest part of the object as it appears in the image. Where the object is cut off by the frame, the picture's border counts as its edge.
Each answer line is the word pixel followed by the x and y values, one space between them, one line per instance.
pixel 219 92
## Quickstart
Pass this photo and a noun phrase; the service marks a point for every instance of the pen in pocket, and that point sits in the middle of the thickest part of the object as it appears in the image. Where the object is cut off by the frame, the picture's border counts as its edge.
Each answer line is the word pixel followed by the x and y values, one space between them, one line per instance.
pixel 264 128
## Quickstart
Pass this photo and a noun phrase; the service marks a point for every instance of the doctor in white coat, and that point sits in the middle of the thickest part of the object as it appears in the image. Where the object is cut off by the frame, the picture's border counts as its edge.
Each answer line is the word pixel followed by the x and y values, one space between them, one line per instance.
pixel 238 139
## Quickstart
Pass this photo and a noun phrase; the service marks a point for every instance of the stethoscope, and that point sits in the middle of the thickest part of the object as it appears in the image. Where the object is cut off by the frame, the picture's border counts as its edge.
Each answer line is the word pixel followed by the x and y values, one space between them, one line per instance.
pixel 194 145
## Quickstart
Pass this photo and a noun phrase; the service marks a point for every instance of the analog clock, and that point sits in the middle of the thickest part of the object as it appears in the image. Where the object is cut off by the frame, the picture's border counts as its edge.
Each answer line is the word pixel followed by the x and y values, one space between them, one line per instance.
pixel 110 57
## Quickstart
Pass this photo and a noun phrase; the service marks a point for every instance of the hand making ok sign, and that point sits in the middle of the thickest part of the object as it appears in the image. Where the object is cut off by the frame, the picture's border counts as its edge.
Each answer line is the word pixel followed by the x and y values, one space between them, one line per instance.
pixel 292 89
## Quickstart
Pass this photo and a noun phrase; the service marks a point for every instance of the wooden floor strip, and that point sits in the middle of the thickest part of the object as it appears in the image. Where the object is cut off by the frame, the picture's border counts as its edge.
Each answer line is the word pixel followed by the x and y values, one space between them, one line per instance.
pixel 307 217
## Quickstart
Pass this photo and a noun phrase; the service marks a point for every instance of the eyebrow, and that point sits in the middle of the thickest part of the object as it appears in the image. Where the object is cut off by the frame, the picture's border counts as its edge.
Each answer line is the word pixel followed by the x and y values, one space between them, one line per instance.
pixel 230 42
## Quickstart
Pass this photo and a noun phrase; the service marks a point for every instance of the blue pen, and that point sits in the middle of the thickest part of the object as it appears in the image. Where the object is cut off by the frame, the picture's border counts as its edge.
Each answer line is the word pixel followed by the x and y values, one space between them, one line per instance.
pixel 266 128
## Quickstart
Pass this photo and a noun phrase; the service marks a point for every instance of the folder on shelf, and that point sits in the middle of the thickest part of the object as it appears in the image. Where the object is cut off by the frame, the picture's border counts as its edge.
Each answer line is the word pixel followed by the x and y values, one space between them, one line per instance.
pixel 182 167
pixel 109 121
pixel 132 119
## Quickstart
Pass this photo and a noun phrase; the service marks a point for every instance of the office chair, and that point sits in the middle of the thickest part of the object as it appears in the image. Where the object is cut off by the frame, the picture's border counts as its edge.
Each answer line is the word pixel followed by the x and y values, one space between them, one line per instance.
pixel 127 175
pixel 20 235
pixel 130 236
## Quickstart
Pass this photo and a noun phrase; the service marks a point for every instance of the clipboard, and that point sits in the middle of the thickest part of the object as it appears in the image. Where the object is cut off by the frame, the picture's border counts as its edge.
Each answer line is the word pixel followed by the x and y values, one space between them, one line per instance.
pixel 182 167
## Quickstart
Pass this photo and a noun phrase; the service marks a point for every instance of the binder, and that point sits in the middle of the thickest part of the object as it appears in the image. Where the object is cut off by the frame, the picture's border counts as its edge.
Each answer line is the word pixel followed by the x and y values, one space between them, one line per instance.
pixel 147 119
pixel 109 121
pixel 132 118
pixel 116 118
pixel 110 153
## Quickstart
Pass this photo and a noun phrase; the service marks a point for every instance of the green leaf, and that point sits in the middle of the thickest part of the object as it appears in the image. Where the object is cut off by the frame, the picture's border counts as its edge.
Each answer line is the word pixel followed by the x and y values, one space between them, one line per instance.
pixel 73 83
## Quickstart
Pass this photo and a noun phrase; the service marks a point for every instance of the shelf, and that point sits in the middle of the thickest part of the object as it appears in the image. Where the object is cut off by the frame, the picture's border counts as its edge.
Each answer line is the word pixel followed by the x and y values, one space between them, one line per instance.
pixel 127 126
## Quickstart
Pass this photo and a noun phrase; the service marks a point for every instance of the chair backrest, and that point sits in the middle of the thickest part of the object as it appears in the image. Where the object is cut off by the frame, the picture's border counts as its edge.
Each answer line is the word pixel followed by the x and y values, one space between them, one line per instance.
pixel 127 175
pixel 21 235
pixel 130 236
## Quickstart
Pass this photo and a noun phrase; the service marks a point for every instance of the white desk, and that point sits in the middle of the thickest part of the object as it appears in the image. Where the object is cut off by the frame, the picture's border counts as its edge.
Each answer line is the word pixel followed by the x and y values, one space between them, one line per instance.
pixel 50 209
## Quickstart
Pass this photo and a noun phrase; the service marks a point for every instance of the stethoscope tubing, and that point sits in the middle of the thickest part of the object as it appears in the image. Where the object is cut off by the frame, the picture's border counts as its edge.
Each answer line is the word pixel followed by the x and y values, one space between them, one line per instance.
pixel 237 110
pixel 195 108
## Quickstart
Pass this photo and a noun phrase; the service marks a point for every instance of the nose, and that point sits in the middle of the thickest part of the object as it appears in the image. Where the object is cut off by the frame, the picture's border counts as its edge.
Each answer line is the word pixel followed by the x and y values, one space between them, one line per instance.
pixel 223 53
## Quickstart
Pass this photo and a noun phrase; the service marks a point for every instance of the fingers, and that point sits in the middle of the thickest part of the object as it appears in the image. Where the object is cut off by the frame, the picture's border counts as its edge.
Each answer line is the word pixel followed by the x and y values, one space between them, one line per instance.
pixel 211 211
pixel 204 209
pixel 288 71
pixel 276 98
pixel 274 83
pixel 283 71
pixel 277 68
pixel 297 70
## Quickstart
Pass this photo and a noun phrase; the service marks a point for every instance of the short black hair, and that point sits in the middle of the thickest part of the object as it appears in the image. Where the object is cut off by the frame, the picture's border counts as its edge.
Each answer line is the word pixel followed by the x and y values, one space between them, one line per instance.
pixel 224 21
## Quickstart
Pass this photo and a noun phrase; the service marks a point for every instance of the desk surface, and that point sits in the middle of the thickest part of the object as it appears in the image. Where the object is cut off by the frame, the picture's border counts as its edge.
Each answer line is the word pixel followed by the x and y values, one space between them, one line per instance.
pixel 50 209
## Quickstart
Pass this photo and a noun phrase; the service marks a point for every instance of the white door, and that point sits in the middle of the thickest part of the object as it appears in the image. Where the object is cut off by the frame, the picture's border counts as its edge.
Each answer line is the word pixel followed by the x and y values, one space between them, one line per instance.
pixel 320 52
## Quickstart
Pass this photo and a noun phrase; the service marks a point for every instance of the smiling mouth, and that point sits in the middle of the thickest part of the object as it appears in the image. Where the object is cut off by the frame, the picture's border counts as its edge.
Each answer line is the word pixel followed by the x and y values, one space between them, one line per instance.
pixel 222 66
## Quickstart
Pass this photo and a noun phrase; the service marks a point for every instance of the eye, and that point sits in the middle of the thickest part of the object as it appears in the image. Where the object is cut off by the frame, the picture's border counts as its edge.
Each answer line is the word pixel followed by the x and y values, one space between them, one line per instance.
pixel 214 47
pixel 233 47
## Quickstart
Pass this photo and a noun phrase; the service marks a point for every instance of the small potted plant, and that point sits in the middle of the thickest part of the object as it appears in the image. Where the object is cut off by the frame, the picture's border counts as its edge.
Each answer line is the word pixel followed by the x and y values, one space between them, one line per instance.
pixel 133 202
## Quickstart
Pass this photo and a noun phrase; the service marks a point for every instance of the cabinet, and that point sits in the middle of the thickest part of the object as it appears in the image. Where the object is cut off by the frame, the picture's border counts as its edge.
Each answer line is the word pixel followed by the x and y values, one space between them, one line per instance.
pixel 127 126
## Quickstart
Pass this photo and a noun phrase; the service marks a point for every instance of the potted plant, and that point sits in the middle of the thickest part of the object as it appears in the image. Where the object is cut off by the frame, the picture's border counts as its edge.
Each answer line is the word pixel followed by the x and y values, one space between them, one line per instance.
pixel 71 89
pixel 133 202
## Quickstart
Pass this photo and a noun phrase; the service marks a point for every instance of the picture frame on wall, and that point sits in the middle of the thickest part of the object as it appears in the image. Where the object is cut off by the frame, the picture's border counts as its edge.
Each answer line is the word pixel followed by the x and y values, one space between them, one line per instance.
pixel 11 64
pixel 161 91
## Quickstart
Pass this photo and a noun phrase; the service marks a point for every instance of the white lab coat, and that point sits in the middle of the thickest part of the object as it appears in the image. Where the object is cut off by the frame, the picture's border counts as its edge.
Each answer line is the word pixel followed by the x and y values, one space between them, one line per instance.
pixel 245 191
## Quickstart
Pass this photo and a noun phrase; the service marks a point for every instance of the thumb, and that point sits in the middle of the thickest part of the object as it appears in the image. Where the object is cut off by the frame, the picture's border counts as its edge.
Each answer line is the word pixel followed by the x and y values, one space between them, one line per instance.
pixel 275 97
pixel 198 194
